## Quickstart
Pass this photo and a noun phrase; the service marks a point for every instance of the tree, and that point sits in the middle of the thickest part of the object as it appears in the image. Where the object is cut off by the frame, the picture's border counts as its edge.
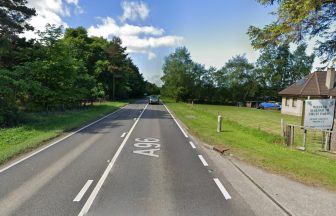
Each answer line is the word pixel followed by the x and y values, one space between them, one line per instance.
pixel 14 16
pixel 13 21
pixel 240 77
pixel 177 75
pixel 298 20
pixel 277 68
pixel 151 88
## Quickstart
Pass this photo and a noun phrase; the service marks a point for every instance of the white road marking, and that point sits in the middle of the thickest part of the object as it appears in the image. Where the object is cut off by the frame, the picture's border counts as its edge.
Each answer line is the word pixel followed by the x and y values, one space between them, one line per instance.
pixel 203 160
pixel 222 189
pixel 15 198
pixel 184 133
pixel 123 135
pixel 147 152
pixel 102 179
pixel 134 119
pixel 67 136
pixel 192 144
pixel 82 192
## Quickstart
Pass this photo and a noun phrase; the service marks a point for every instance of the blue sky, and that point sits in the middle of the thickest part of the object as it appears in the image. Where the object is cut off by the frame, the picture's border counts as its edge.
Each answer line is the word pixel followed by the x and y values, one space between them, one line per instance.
pixel 212 30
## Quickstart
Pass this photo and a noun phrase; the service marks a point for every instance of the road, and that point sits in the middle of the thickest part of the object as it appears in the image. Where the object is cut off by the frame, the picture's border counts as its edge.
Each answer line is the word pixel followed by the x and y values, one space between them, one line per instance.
pixel 136 161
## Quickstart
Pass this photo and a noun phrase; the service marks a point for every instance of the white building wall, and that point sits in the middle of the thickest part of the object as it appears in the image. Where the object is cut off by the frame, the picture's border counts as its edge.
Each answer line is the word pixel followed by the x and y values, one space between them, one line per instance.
pixel 290 109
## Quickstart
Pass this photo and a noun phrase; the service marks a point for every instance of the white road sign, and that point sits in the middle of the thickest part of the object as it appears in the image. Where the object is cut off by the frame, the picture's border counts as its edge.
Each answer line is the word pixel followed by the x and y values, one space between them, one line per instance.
pixel 319 113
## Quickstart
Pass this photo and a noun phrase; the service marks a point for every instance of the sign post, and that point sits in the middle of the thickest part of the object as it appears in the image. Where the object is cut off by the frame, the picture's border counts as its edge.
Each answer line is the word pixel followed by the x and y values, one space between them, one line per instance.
pixel 318 114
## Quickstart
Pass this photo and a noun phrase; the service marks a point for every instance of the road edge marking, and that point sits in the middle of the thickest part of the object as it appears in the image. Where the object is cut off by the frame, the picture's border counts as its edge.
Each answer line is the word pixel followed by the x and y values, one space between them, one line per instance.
pixel 57 141
pixel 83 191
pixel 222 189
pixel 192 144
pixel 203 160
pixel 123 135
pixel 102 179
pixel 184 133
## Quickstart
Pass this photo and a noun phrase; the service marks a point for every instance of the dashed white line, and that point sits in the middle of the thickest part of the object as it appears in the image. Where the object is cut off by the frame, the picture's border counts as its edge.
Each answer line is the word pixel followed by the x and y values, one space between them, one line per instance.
pixel 184 133
pixel 102 179
pixel 222 189
pixel 203 160
pixel 192 144
pixel 123 135
pixel 82 192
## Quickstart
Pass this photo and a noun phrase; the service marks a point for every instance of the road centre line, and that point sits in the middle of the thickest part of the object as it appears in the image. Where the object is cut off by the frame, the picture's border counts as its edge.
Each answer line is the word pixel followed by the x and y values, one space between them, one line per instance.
pixel 192 144
pixel 102 179
pixel 222 189
pixel 82 192
pixel 123 135
pixel 184 133
pixel 67 136
pixel 203 160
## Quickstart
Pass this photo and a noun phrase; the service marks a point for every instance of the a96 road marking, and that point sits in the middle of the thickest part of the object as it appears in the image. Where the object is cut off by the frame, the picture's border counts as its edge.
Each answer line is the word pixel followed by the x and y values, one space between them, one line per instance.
pixel 148 146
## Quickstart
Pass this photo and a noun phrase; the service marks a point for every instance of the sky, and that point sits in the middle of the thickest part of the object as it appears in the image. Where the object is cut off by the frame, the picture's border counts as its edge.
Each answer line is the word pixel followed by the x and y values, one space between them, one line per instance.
pixel 212 30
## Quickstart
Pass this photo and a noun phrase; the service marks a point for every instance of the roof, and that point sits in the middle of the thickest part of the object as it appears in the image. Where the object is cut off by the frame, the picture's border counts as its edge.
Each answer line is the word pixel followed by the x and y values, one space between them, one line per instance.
pixel 311 85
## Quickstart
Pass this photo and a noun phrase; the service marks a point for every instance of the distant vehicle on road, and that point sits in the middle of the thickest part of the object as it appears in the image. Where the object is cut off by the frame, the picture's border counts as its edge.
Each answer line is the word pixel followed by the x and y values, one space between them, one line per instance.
pixel 154 99
pixel 269 105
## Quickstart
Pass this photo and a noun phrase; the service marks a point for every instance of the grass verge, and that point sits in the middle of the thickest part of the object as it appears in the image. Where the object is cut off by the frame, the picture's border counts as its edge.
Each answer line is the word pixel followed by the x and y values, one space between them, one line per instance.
pixel 258 147
pixel 41 127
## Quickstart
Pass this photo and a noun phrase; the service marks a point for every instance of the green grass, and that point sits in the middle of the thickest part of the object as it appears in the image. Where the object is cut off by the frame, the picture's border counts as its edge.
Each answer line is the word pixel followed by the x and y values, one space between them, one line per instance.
pixel 262 147
pixel 41 127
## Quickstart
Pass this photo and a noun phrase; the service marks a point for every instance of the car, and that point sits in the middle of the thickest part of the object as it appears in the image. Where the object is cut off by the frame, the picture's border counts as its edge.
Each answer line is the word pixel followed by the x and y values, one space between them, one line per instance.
pixel 153 99
pixel 269 105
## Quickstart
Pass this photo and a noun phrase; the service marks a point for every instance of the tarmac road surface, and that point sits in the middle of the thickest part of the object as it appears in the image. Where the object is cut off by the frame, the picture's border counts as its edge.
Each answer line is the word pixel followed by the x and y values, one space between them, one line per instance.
pixel 136 161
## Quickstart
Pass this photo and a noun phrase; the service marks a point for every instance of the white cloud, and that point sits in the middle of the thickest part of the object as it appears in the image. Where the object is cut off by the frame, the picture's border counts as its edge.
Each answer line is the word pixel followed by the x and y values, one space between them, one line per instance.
pixel 75 2
pixel 151 56
pixel 137 39
pixel 49 11
pixel 133 10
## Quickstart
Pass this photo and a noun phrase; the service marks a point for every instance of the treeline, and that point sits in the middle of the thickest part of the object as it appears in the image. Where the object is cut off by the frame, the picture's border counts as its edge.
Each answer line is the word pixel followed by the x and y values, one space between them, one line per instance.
pixel 61 69
pixel 238 80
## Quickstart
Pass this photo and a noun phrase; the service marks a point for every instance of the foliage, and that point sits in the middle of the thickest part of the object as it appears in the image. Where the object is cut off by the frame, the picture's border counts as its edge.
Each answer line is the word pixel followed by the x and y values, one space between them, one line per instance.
pixel 277 68
pixel 238 80
pixel 297 20
pixel 14 16
pixel 178 76
pixel 61 69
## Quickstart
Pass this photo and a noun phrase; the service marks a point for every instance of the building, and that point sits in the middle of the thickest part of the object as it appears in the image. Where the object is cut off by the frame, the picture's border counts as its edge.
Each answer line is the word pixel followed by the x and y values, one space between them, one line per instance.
pixel 320 84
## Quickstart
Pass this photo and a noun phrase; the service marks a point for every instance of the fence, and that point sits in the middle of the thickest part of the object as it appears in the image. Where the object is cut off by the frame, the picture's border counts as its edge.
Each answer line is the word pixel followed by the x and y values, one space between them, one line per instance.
pixel 309 139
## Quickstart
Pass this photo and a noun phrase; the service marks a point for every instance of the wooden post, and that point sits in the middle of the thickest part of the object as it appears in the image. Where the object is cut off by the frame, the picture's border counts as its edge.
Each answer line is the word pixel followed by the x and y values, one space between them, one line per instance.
pixel 304 140
pixel 327 141
pixel 219 123
pixel 282 127
pixel 292 135
pixel 289 135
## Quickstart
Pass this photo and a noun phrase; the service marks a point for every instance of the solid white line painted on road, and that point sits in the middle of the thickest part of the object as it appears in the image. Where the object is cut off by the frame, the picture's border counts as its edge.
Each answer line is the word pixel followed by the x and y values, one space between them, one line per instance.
pixel 82 192
pixel 192 144
pixel 122 135
pixel 203 160
pixel 222 189
pixel 67 136
pixel 184 133
pixel 102 179
pixel 134 119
